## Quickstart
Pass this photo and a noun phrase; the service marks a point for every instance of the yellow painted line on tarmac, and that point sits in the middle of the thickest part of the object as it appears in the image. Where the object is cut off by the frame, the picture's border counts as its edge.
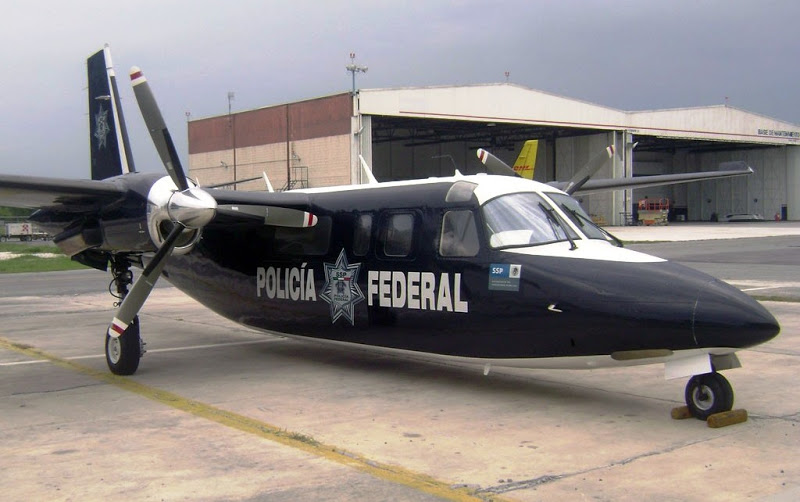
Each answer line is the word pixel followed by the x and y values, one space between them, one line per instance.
pixel 393 473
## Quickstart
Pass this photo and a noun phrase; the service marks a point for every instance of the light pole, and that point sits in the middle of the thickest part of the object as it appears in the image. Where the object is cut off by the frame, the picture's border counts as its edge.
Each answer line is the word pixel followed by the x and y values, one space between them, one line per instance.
pixel 353 68
pixel 232 125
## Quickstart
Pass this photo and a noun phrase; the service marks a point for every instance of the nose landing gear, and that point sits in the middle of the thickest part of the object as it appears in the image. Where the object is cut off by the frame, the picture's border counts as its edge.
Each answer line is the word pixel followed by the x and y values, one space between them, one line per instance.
pixel 708 394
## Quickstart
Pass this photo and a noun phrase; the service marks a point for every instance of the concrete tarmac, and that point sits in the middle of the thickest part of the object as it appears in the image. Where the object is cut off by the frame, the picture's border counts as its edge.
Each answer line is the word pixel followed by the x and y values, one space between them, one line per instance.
pixel 219 412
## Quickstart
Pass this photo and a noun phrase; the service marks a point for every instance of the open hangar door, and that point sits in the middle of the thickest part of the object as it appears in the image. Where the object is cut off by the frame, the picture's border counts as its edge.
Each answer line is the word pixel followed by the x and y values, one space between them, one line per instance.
pixel 762 193
pixel 414 148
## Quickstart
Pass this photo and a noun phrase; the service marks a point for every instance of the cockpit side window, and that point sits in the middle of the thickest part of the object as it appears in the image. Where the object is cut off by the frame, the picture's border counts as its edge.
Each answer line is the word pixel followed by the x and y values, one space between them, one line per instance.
pixel 523 219
pixel 459 237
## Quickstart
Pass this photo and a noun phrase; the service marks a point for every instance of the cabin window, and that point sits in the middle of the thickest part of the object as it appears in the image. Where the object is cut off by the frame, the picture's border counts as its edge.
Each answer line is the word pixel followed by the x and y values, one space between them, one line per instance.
pixel 398 234
pixel 459 237
pixel 523 219
pixel 362 233
pixel 304 241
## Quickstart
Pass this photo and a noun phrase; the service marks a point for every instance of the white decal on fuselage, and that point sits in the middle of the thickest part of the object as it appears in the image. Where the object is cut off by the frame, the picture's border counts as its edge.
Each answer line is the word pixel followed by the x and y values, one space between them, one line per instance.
pixel 415 290
pixel 286 283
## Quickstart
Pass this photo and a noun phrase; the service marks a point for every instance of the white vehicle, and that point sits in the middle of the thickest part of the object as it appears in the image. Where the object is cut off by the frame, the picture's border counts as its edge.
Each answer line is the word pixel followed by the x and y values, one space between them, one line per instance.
pixel 25 231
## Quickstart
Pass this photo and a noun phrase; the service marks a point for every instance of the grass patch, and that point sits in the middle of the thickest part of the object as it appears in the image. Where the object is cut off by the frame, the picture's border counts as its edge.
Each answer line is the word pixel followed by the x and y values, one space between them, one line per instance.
pixel 27 262
pixel 302 438
pixel 16 247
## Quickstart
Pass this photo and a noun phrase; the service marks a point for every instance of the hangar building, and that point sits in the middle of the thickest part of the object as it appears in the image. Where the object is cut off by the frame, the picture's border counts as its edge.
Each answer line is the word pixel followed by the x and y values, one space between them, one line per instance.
pixel 419 132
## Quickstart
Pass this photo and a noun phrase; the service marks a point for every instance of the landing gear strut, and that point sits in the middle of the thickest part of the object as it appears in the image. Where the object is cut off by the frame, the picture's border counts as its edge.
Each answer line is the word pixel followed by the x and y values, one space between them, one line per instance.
pixel 124 351
pixel 708 394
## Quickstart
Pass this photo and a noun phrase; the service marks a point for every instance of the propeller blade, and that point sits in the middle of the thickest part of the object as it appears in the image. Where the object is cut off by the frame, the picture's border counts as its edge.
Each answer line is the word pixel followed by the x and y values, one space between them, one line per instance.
pixel 495 165
pixel 158 128
pixel 271 215
pixel 144 285
pixel 588 170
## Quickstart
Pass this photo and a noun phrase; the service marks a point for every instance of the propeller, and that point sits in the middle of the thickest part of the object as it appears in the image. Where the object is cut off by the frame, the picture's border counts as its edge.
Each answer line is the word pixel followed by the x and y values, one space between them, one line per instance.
pixel 190 207
pixel 144 285
pixel 496 166
pixel 587 171
pixel 158 128
pixel 276 216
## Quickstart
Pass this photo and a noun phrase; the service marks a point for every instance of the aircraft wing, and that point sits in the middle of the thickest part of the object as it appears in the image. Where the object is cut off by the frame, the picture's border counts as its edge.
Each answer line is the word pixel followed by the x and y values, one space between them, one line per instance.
pixel 71 195
pixel 727 170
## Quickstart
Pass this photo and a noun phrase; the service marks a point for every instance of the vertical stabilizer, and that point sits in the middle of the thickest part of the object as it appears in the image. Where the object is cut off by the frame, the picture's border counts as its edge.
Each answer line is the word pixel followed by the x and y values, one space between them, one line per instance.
pixel 526 162
pixel 108 140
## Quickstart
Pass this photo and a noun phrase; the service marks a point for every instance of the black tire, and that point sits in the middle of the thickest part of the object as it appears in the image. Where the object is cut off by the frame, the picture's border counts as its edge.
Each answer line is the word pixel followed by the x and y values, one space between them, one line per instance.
pixel 708 394
pixel 123 353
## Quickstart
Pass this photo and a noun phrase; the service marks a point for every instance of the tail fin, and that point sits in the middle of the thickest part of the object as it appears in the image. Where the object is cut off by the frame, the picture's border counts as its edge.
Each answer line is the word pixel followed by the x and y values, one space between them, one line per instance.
pixel 526 162
pixel 108 140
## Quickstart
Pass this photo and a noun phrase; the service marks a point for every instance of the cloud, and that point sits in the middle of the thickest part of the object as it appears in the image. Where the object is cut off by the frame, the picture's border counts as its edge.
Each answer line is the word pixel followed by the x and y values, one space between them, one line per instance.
pixel 624 54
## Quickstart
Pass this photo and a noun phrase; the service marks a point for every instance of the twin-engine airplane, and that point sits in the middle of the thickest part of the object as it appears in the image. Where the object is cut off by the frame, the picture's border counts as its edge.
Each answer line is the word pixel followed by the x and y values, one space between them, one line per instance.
pixel 497 270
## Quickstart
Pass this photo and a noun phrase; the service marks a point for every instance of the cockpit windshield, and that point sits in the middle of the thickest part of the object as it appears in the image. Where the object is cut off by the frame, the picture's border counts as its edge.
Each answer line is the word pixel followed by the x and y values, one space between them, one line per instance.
pixel 575 212
pixel 523 219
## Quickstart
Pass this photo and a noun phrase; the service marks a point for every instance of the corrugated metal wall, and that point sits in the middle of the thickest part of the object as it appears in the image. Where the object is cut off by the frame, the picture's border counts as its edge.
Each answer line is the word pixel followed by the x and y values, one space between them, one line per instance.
pixel 764 192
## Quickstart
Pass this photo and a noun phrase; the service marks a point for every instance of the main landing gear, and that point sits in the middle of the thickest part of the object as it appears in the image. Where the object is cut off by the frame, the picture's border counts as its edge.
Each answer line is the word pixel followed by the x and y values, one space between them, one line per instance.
pixel 708 394
pixel 124 351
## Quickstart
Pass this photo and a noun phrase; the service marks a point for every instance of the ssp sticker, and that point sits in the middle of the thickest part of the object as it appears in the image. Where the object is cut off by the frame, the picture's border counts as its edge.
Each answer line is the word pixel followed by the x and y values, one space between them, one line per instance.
pixel 504 276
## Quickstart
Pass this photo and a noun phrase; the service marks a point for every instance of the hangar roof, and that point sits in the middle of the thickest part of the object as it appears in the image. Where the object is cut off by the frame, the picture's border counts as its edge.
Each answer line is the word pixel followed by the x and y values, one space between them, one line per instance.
pixel 505 103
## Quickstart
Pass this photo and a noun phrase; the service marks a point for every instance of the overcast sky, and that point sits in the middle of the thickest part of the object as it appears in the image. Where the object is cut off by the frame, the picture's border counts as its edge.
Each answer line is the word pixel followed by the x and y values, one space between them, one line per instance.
pixel 631 55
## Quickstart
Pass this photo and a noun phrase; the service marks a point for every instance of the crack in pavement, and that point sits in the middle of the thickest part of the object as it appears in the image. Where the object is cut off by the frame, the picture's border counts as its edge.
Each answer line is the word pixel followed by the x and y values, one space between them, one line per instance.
pixel 541 480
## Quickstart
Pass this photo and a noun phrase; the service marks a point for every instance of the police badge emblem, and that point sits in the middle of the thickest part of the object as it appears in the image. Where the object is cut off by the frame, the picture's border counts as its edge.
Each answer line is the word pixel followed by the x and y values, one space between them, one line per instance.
pixel 341 289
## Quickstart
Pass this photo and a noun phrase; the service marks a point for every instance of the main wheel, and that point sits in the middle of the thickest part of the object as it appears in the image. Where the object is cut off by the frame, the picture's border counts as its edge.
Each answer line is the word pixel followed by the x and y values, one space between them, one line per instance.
pixel 708 394
pixel 123 353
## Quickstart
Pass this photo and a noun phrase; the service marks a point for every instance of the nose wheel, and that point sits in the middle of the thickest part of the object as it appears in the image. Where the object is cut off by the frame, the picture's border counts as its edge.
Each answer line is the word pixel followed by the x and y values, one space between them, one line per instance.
pixel 123 352
pixel 708 394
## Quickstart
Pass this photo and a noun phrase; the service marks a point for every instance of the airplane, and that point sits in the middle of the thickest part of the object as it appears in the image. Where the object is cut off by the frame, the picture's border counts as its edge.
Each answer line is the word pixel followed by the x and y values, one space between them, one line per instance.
pixel 491 269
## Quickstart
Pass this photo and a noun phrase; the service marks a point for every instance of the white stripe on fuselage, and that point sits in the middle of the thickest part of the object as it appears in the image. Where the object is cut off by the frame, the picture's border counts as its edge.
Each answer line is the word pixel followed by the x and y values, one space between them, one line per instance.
pixel 562 362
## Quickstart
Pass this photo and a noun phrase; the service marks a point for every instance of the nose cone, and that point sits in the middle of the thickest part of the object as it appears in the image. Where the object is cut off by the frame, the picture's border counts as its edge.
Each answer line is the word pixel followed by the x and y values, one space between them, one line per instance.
pixel 193 208
pixel 726 317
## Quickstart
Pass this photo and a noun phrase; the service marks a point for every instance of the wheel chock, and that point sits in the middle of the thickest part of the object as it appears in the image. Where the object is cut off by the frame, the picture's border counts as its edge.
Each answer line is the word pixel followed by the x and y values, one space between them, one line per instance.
pixel 726 418
pixel 681 413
